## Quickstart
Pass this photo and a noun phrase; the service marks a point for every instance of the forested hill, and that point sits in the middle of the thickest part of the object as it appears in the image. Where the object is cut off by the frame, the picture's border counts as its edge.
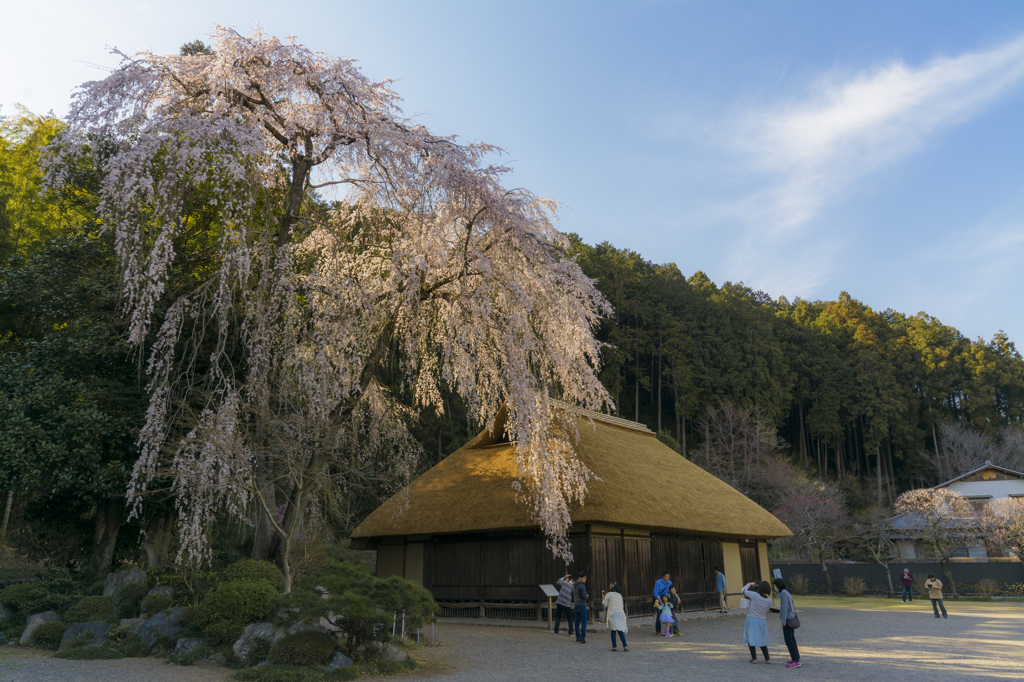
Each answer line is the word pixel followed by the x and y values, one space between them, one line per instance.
pixel 841 382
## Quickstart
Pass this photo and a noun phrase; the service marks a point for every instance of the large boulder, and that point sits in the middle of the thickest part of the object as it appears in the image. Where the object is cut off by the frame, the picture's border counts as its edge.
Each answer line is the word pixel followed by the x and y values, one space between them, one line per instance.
pixel 338 660
pixel 187 644
pixel 115 582
pixel 95 631
pixel 34 621
pixel 166 624
pixel 253 631
pixel 133 624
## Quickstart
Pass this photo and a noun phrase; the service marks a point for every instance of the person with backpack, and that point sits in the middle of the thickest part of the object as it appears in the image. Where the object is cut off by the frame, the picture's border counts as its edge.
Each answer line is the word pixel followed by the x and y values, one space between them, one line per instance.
pixel 787 614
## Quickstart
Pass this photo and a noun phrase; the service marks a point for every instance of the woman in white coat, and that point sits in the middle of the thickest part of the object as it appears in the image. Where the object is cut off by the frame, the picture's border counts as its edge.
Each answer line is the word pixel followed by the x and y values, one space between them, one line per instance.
pixel 615 615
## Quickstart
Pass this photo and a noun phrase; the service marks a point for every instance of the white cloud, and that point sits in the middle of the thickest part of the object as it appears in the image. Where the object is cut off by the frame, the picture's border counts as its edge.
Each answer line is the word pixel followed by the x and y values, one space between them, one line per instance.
pixel 816 148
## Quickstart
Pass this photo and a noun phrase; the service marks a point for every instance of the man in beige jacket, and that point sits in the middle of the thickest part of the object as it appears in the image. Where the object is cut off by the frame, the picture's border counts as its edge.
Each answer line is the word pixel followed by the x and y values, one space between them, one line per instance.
pixel 934 587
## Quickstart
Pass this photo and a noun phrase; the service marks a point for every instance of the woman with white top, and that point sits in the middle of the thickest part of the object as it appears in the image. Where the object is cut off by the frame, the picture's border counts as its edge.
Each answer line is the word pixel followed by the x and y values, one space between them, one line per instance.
pixel 615 615
pixel 755 629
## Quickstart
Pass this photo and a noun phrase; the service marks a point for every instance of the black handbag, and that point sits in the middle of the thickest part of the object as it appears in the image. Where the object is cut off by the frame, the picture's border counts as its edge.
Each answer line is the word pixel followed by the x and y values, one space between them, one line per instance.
pixel 793 622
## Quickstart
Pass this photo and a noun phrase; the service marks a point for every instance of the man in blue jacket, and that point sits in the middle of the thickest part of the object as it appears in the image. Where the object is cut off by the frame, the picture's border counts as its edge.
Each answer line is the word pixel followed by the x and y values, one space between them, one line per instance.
pixel 723 607
pixel 660 589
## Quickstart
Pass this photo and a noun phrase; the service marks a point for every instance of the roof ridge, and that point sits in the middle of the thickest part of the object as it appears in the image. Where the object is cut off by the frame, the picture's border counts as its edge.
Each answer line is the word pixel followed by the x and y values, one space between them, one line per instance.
pixel 601 417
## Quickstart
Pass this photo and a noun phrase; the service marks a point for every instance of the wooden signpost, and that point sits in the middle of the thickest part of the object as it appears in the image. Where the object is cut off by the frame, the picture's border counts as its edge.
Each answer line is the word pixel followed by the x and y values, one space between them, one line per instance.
pixel 551 593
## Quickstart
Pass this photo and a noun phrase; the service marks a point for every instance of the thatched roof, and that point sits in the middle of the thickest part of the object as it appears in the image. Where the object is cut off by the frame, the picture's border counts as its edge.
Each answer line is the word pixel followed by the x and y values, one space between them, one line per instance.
pixel 644 484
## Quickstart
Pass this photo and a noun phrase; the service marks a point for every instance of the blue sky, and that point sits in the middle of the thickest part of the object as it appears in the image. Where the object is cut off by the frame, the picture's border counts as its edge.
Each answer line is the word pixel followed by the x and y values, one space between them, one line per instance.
pixel 803 148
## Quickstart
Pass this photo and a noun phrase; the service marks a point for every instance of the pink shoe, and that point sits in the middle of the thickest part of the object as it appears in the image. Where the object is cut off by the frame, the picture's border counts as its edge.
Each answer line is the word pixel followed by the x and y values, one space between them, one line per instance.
pixel 793 664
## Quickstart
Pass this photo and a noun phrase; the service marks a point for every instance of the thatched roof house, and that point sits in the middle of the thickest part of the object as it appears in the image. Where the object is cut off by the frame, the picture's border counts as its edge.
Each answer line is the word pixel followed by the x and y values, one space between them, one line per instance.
pixel 459 530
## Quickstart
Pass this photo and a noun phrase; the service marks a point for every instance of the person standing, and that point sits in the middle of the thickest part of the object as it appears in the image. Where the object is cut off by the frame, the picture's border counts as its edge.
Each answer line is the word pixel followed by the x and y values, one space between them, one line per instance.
pixel 934 587
pixel 787 614
pixel 615 615
pixel 908 585
pixel 723 607
pixel 660 590
pixel 563 603
pixel 580 596
pixel 755 629
pixel 665 616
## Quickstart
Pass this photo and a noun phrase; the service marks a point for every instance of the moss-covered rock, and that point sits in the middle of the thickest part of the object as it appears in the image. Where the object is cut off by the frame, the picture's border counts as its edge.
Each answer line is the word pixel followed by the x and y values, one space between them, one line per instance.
pixel 48 635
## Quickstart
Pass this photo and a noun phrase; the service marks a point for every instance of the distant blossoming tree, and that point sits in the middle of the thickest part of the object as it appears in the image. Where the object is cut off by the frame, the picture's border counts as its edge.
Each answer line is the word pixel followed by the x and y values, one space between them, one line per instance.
pixel 942 518
pixel 1002 521
pixel 818 522
pixel 427 263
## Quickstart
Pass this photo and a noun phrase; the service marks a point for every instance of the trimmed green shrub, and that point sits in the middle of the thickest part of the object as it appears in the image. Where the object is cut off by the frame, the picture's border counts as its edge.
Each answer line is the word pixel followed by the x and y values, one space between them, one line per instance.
pixel 238 602
pixel 308 647
pixel 154 603
pixel 128 645
pixel 13 626
pixel 251 570
pixel 88 609
pixel 223 632
pixel 24 597
pixel 88 653
pixel 49 634
pixel 128 603
pixel 257 652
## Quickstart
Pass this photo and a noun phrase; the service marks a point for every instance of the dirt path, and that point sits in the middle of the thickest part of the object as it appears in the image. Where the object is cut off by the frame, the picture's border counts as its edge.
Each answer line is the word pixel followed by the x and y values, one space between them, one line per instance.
pixel 27 665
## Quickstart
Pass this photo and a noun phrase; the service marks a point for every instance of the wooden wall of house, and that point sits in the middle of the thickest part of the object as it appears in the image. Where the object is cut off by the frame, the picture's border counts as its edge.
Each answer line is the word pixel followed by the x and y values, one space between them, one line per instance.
pixel 487 571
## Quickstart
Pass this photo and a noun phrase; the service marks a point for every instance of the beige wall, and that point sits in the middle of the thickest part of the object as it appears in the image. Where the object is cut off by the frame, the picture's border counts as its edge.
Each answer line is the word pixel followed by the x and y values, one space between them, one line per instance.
pixel 733 571
pixel 762 558
pixel 391 561
pixel 414 562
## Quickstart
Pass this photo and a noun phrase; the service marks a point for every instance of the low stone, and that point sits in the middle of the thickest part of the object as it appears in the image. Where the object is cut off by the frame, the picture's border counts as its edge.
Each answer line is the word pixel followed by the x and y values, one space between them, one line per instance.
pixel 187 644
pixel 34 621
pixel 338 660
pixel 393 653
pixel 215 660
pixel 300 626
pixel 133 624
pixel 95 632
pixel 162 590
pixel 262 663
pixel 116 582
pixel 164 624
pixel 248 638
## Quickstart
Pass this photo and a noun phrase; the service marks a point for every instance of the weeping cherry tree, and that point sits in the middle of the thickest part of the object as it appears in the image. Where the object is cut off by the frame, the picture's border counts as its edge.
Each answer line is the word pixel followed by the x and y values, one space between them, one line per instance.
pixel 263 366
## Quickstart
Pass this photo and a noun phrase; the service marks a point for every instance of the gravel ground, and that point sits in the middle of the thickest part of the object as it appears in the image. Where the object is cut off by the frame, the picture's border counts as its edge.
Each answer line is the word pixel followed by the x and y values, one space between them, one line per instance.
pixel 26 665
pixel 863 643
pixel 976 642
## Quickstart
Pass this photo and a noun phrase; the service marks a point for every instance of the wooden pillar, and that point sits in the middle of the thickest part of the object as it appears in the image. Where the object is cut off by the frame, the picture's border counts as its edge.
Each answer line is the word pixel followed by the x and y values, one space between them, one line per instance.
pixel 483 612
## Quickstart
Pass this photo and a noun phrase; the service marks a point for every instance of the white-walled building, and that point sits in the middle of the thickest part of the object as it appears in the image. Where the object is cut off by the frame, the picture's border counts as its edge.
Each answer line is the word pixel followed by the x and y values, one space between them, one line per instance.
pixel 980 486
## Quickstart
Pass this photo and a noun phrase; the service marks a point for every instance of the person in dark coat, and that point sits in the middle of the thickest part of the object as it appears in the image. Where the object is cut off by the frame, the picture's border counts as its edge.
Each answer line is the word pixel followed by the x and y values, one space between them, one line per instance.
pixel 580 596
pixel 908 585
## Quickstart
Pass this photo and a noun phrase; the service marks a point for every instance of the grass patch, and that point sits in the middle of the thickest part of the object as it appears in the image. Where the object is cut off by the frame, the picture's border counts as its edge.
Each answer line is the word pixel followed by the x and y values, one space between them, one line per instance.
pixel 312 673
pixel 88 653
pixel 892 604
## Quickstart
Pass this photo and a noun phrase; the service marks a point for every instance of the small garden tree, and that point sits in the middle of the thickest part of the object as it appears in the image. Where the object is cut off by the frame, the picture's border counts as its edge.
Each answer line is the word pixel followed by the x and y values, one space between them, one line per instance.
pixel 876 534
pixel 943 519
pixel 819 522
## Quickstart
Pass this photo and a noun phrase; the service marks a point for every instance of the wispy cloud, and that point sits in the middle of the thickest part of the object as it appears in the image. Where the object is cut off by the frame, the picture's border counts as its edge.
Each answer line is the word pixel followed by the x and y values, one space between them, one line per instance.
pixel 815 148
